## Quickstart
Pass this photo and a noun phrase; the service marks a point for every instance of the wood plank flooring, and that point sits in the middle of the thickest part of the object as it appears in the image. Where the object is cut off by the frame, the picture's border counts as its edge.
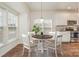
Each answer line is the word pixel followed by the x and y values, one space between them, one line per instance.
pixel 69 50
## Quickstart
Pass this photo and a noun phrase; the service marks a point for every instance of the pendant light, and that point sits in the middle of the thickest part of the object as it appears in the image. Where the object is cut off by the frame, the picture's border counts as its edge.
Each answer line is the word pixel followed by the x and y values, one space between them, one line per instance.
pixel 41 13
pixel 42 20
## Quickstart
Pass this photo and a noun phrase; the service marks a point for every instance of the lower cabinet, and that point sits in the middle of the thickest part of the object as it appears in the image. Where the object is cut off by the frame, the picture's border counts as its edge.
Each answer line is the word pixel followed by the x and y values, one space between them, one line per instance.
pixel 66 36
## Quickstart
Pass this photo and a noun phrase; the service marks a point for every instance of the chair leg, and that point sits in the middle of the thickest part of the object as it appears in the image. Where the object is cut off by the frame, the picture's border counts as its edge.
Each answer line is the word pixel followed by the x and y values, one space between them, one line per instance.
pixel 56 52
pixel 47 52
pixel 61 50
pixel 37 53
pixel 23 51
pixel 29 53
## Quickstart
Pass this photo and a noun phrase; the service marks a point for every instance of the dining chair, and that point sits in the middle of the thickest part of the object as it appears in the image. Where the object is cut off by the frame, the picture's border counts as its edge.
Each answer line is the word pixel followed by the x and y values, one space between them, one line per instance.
pixel 31 43
pixel 25 42
pixel 23 38
pixel 39 47
pixel 56 42
pixel 34 45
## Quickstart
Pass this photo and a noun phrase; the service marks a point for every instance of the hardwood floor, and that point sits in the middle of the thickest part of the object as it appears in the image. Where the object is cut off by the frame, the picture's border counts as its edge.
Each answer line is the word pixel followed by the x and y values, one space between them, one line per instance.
pixel 16 52
pixel 69 50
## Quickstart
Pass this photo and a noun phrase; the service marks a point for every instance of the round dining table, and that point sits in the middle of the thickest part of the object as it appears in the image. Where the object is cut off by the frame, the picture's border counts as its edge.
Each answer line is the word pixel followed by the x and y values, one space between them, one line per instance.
pixel 41 41
pixel 42 36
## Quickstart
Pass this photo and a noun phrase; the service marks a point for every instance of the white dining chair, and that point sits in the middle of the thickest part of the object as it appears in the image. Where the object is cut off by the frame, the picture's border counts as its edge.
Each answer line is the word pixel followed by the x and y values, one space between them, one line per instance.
pixel 25 41
pixel 31 43
pixel 23 38
pixel 39 49
pixel 37 45
pixel 34 45
pixel 55 42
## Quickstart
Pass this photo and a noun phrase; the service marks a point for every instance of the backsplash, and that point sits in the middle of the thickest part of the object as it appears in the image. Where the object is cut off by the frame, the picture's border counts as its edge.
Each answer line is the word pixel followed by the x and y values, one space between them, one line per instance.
pixel 67 28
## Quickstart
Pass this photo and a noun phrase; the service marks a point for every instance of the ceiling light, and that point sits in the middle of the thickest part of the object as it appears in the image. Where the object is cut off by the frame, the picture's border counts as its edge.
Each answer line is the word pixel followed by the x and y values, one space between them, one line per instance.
pixel 42 20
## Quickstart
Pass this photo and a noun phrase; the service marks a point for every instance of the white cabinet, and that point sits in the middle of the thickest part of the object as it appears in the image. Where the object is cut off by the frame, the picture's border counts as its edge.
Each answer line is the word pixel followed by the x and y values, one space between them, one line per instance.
pixel 66 36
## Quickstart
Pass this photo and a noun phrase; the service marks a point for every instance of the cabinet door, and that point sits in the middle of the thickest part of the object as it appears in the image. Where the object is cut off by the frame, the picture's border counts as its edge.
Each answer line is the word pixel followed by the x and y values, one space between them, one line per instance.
pixel 66 37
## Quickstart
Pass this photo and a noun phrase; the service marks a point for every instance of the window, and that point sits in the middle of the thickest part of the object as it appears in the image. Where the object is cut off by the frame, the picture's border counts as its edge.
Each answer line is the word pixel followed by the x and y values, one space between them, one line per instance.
pixel 1 26
pixel 45 24
pixel 8 26
pixel 12 26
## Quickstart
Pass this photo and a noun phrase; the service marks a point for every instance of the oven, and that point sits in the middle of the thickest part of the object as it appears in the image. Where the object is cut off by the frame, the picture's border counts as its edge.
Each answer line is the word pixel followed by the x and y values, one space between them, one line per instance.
pixel 74 36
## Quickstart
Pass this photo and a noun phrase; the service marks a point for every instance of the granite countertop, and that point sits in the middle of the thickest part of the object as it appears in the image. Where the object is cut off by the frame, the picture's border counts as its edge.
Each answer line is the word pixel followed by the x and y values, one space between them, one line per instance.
pixel 42 36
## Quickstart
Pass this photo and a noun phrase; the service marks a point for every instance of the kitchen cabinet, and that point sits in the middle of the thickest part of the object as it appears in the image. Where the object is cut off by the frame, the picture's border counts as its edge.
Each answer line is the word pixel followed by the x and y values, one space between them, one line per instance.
pixel 66 36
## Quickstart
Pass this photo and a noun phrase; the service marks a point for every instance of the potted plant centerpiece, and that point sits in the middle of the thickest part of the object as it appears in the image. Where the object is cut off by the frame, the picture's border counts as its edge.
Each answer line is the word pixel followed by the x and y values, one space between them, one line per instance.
pixel 36 28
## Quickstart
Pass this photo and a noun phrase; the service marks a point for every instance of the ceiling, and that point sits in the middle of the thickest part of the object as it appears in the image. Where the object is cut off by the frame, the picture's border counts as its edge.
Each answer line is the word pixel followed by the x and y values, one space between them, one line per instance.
pixel 50 6
pixel 46 6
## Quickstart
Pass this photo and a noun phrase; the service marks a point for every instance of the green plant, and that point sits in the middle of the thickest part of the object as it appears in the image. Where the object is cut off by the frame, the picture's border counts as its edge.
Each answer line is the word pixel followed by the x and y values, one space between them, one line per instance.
pixel 36 28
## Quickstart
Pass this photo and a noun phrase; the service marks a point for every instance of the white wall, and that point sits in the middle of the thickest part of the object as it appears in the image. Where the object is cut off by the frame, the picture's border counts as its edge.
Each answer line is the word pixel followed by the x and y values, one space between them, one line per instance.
pixel 24 24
